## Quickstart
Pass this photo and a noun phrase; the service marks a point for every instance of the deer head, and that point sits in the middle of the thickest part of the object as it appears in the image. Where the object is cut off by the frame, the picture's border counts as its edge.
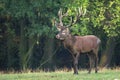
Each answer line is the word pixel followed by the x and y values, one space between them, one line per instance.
pixel 63 29
pixel 63 33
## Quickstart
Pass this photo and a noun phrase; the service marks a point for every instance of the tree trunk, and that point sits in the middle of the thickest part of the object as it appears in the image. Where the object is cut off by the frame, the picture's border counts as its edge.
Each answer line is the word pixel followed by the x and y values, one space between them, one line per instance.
pixel 23 46
pixel 47 61
pixel 108 53
pixel 9 49
pixel 32 42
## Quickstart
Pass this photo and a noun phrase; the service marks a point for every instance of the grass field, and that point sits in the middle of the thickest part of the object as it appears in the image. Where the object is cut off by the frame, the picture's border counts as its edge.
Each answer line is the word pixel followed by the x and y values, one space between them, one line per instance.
pixel 63 75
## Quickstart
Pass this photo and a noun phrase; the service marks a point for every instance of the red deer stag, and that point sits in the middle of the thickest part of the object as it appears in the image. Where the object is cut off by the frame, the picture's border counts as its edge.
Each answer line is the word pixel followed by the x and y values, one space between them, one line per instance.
pixel 78 44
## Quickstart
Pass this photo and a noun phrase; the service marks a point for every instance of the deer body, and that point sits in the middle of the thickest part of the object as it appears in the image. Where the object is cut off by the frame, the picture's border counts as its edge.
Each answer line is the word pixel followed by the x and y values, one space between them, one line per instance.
pixel 81 44
pixel 78 44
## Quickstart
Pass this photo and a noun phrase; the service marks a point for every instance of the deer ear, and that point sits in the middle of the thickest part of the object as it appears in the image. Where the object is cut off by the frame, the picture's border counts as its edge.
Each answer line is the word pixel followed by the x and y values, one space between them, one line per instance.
pixel 55 23
pixel 58 27
pixel 67 29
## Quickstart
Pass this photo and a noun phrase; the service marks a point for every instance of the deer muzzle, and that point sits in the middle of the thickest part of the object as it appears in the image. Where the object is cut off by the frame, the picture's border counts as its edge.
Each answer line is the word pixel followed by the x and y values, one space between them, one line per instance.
pixel 59 37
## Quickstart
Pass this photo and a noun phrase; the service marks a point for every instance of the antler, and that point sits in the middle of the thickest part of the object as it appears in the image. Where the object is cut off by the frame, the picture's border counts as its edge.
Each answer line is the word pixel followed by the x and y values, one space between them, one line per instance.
pixel 79 13
pixel 61 15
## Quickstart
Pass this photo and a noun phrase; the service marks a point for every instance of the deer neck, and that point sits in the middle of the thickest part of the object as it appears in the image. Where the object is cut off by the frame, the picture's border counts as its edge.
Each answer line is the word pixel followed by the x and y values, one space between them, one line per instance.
pixel 69 40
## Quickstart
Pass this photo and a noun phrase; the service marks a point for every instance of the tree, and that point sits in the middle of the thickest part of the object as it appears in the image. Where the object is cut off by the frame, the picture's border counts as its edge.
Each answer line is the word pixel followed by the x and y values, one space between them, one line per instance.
pixel 28 24
pixel 31 21
pixel 106 18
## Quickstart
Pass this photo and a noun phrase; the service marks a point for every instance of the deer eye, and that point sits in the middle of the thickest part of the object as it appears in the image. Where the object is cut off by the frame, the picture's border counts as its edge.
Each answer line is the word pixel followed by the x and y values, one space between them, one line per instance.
pixel 63 33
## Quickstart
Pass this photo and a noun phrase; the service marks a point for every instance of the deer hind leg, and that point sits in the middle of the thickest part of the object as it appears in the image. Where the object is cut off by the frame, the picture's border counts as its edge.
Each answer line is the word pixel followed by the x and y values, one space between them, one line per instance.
pixel 96 64
pixel 96 60
pixel 75 58
pixel 91 61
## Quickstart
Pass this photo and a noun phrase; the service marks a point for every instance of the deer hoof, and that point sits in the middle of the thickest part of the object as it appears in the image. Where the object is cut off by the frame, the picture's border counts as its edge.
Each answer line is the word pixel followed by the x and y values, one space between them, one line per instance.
pixel 96 71
pixel 89 72
pixel 75 73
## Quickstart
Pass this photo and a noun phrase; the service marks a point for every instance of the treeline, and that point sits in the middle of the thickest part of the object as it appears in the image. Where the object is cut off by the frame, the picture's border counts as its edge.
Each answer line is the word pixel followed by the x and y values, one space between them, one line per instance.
pixel 27 33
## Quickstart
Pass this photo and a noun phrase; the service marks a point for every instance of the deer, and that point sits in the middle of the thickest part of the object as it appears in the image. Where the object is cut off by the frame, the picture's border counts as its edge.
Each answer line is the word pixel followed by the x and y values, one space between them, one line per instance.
pixel 77 45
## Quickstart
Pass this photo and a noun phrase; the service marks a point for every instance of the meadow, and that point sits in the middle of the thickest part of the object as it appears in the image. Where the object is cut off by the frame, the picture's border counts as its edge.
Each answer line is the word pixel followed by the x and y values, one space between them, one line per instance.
pixel 106 74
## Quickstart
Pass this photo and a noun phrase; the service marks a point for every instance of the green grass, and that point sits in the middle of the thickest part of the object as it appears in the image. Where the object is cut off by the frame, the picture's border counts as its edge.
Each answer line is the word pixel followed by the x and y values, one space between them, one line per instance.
pixel 62 75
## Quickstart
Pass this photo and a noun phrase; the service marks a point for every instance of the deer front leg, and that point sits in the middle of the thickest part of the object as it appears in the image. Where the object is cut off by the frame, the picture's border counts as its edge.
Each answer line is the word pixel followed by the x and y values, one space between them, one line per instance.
pixel 75 58
pixel 96 59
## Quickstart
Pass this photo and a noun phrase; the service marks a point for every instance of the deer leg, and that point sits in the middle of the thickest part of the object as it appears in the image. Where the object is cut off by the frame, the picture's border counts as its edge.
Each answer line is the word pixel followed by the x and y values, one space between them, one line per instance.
pixel 96 64
pixel 90 62
pixel 91 58
pixel 96 60
pixel 75 57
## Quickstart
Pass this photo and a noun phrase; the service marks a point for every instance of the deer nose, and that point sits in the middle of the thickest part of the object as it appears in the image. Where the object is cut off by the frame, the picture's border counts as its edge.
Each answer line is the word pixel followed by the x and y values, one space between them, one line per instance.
pixel 57 36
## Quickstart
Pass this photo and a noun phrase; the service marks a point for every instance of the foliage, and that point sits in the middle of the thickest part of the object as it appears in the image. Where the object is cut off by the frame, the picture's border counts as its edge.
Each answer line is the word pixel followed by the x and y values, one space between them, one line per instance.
pixel 106 16
pixel 26 23
pixel 36 13
pixel 112 24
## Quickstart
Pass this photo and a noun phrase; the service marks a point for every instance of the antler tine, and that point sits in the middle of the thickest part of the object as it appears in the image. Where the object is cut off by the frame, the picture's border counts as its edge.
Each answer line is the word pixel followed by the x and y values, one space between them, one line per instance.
pixel 66 14
pixel 61 15
pixel 79 13
pixel 70 24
